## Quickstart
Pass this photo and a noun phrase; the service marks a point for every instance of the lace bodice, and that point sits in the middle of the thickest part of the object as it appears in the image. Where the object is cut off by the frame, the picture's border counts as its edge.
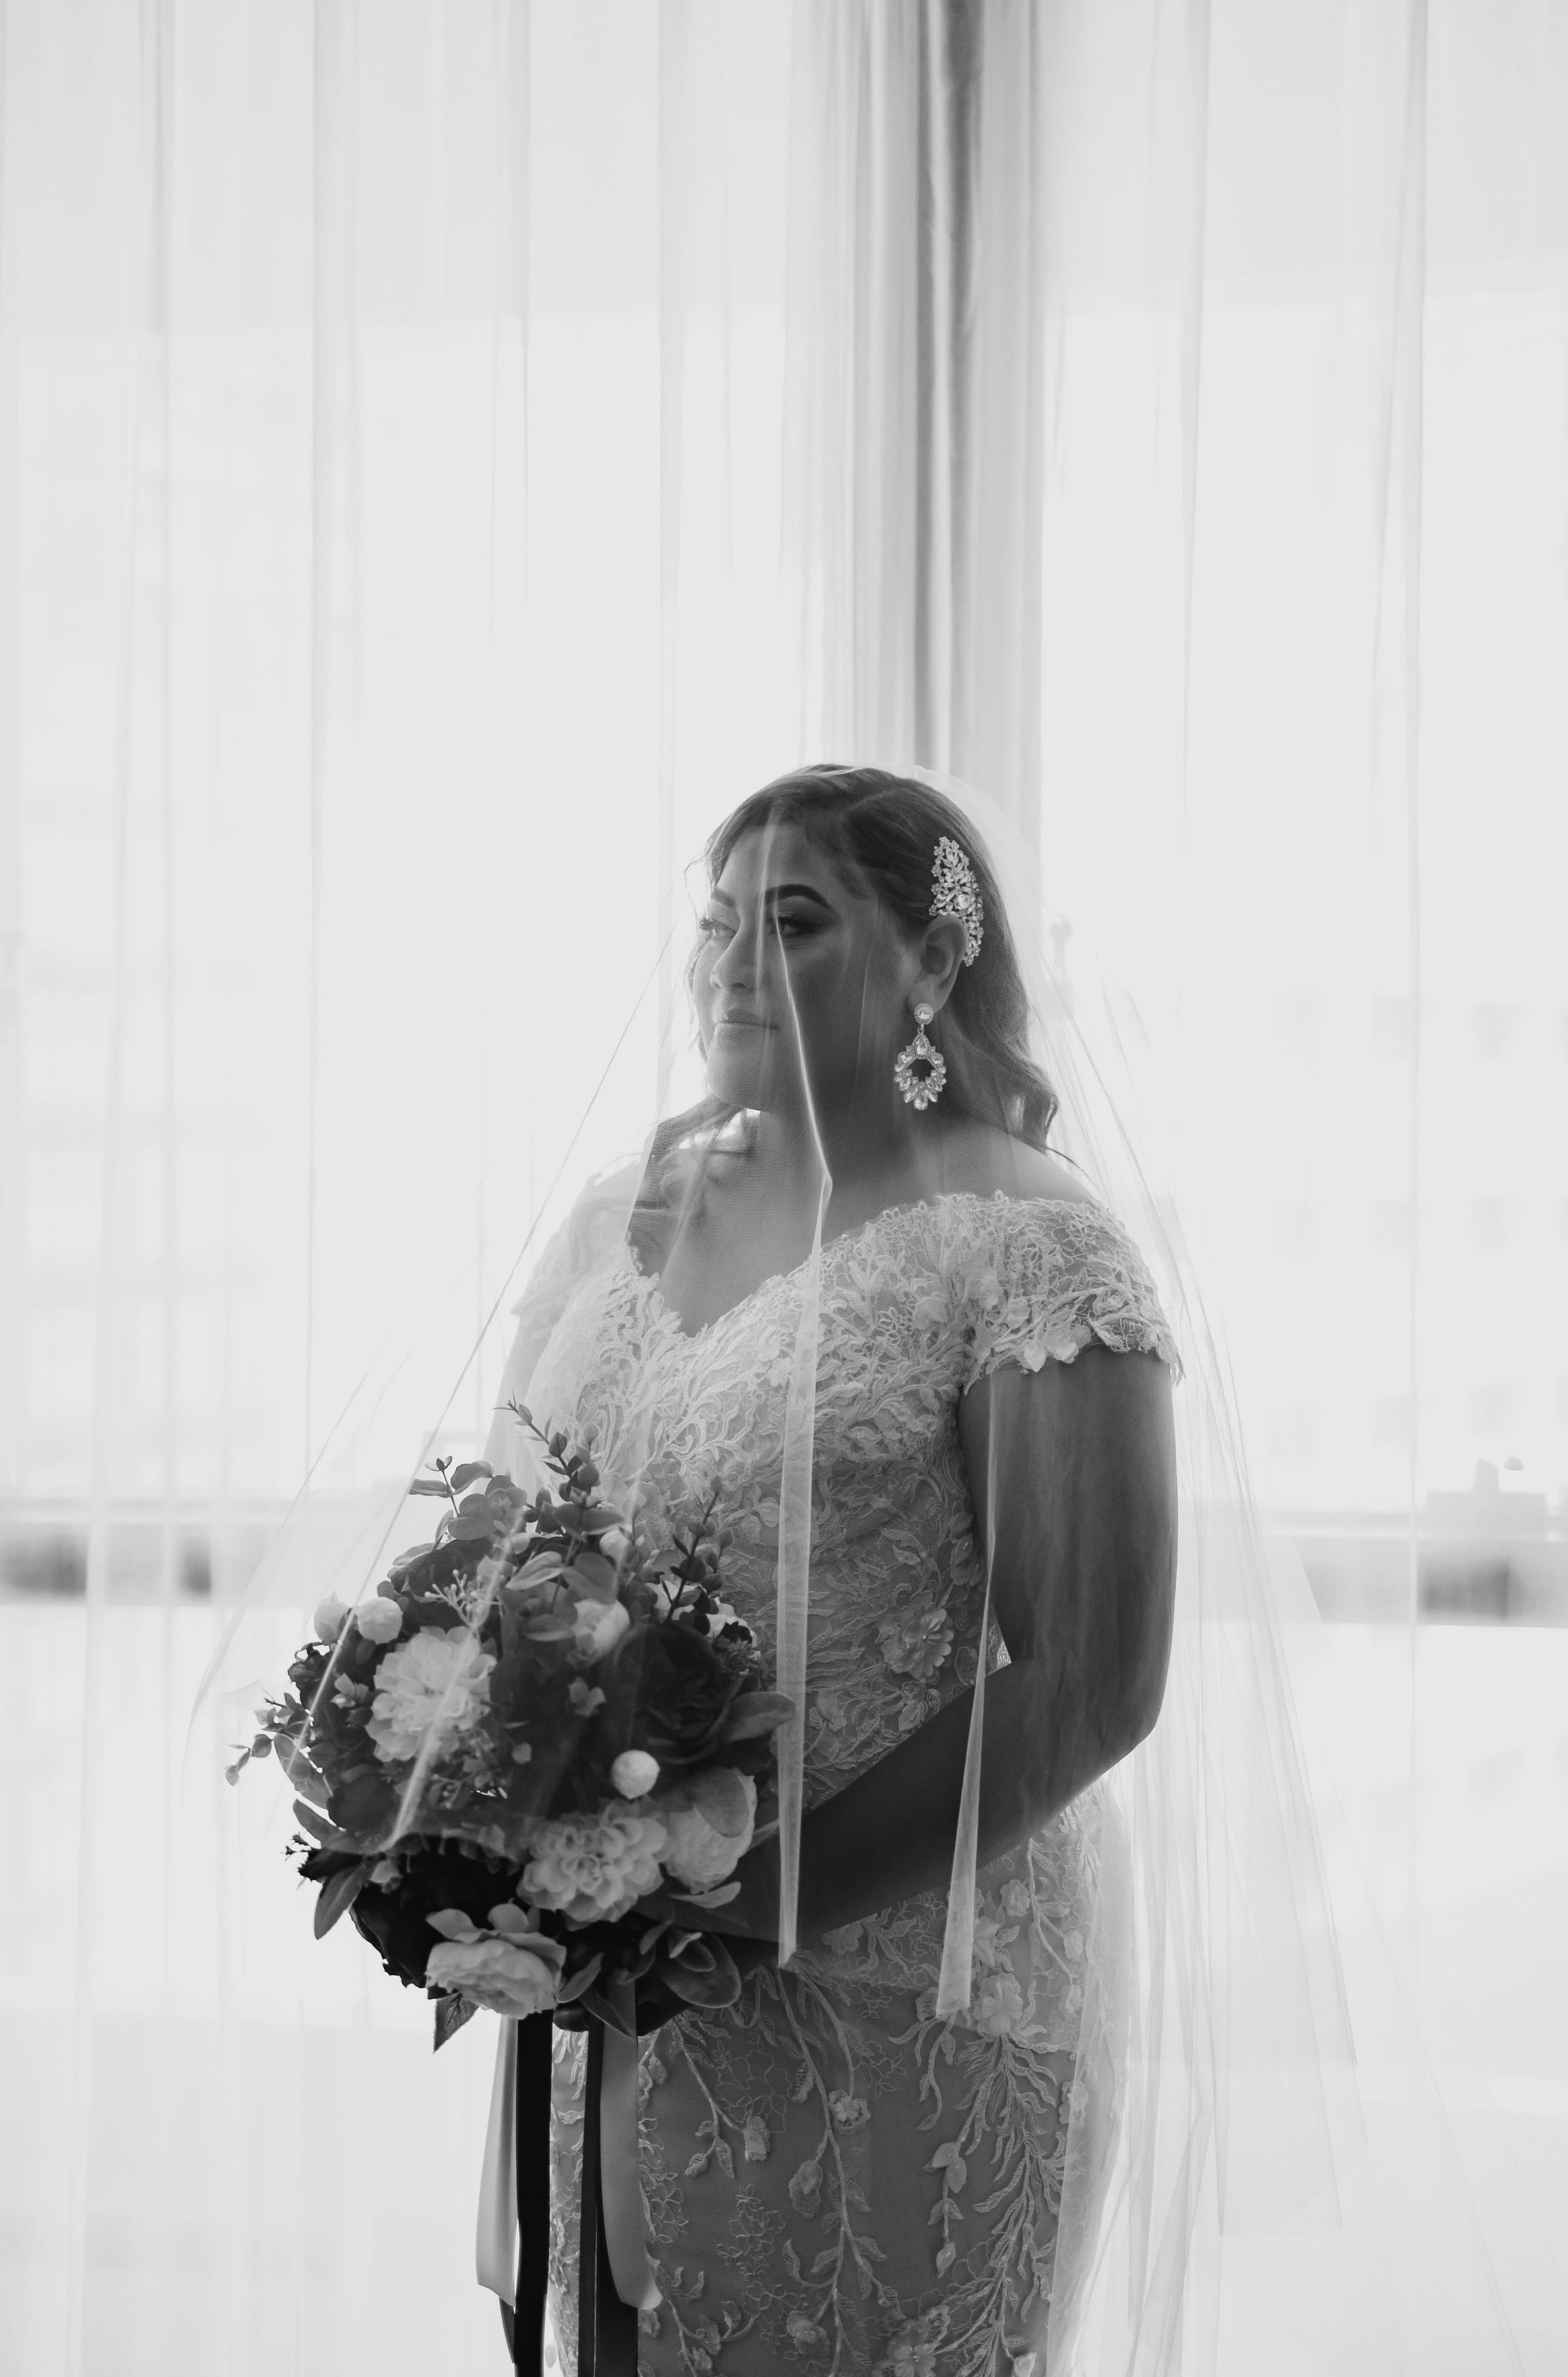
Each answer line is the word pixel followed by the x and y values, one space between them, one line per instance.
pixel 832 2172
pixel 917 1306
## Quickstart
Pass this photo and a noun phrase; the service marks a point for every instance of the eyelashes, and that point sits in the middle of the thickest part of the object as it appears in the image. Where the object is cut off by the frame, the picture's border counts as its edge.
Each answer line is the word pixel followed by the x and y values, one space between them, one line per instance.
pixel 712 928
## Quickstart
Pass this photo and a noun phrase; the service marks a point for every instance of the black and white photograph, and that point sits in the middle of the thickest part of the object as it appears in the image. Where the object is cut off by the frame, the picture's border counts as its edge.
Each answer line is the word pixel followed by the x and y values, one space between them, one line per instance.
pixel 784 1187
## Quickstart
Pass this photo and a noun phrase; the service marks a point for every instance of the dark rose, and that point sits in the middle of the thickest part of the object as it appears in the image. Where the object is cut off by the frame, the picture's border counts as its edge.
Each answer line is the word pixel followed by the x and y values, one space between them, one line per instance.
pixel 667 1689
pixel 394 1921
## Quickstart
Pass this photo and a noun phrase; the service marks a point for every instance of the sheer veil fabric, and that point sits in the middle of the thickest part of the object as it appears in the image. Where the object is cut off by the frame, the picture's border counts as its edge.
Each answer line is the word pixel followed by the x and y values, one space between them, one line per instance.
pixel 1233 2192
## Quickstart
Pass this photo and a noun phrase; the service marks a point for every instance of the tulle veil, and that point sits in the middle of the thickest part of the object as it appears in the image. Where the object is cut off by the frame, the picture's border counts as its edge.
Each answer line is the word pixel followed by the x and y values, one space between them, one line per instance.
pixel 1268 2188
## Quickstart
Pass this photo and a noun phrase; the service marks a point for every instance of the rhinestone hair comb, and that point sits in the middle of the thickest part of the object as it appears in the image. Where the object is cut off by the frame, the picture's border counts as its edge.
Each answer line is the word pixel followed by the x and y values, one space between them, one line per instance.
pixel 958 894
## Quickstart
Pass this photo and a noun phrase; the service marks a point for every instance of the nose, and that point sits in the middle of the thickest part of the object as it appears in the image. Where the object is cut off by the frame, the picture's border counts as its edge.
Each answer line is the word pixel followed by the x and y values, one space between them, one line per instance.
pixel 735 968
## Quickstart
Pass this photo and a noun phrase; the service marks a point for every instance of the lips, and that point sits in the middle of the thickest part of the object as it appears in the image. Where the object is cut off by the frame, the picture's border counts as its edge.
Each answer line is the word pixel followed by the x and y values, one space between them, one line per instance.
pixel 741 1023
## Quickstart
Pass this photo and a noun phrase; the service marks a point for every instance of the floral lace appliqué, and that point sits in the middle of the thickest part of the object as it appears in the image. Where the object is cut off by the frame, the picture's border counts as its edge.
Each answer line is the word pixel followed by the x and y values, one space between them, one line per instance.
pixel 835 2178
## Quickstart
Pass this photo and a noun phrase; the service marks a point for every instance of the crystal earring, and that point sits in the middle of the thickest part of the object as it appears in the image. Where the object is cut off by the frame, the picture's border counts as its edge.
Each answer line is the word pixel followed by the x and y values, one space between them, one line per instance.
pixel 920 1090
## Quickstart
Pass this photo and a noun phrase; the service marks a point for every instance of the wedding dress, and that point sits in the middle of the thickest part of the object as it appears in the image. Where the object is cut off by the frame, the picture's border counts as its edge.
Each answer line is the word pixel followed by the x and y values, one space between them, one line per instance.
pixel 835 2173
pixel 1101 2109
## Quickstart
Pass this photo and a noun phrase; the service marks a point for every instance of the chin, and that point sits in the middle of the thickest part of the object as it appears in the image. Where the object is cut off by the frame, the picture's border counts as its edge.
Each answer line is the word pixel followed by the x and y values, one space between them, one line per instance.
pixel 730 1077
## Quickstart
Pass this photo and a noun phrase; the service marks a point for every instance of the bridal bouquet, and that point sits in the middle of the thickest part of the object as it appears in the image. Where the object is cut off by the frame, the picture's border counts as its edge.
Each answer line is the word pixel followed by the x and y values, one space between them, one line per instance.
pixel 538 1720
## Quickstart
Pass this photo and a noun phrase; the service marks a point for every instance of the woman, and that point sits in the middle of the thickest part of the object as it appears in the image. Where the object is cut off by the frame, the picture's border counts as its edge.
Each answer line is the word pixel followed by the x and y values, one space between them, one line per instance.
pixel 835 2171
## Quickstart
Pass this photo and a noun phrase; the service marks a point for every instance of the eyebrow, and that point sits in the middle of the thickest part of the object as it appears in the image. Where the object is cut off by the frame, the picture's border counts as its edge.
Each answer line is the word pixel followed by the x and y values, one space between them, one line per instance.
pixel 779 891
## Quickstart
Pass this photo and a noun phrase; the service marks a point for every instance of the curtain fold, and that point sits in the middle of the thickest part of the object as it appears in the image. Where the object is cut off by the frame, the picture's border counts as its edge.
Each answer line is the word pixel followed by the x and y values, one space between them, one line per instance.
pixel 914 424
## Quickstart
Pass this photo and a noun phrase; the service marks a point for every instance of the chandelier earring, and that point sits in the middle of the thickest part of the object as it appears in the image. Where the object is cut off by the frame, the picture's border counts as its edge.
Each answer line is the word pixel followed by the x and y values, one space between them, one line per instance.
pixel 920 1090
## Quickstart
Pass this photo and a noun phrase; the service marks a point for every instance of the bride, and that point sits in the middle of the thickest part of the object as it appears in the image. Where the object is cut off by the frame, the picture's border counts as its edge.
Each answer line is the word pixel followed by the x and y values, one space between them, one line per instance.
pixel 925 1371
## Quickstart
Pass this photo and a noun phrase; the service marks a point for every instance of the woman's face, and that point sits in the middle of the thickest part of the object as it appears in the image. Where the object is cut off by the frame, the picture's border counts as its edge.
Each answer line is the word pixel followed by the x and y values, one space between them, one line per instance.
pixel 794 966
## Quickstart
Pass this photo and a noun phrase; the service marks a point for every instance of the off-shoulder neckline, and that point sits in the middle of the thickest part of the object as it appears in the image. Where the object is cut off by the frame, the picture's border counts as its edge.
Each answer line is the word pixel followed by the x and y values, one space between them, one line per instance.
pixel 650 1281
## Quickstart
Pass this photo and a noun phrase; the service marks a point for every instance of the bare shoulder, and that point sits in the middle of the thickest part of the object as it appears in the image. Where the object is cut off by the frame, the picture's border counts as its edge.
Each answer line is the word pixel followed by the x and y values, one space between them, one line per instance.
pixel 987 1162
pixel 1049 1176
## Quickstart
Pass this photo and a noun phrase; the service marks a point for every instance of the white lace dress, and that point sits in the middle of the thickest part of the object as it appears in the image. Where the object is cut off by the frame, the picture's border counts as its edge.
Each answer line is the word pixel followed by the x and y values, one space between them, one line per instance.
pixel 834 2178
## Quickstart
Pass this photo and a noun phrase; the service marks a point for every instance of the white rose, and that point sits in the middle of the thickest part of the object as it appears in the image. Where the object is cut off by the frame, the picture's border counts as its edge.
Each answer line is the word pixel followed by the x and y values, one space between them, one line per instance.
pixel 432 1675
pixel 709 1822
pixel 599 1626
pixel 492 1973
pixel 613 1542
pixel 329 1618
pixel 634 1773
pixel 381 1620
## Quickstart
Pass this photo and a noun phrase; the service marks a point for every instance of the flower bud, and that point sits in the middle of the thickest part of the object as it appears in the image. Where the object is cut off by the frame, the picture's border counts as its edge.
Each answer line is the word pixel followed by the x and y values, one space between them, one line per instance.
pixel 600 1625
pixel 379 1621
pixel 329 1618
pixel 634 1773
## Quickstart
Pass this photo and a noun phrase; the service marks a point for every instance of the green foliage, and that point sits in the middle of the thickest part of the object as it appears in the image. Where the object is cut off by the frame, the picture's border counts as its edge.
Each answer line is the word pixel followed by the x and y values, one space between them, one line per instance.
pixel 452 2012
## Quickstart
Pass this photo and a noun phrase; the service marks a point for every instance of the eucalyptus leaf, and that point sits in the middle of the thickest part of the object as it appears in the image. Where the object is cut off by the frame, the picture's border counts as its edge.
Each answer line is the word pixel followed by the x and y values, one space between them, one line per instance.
pixel 596 1571
pixel 467 1470
pixel 756 1713
pixel 714 1981
pixel 429 1485
pixel 539 1570
pixel 475 1523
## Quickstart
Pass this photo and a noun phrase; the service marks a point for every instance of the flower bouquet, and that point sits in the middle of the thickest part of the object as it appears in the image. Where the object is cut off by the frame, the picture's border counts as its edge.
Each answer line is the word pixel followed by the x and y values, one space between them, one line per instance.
pixel 538 1720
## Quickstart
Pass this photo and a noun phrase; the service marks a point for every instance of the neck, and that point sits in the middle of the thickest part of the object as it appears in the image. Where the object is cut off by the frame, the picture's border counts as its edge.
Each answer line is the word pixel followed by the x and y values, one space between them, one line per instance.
pixel 858 1151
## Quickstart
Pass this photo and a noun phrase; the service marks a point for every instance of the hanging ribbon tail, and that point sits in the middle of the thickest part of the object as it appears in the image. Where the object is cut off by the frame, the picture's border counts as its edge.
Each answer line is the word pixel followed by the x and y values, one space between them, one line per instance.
pixel 620 2186
pixel 512 2247
pixel 613 2279
pixel 495 2244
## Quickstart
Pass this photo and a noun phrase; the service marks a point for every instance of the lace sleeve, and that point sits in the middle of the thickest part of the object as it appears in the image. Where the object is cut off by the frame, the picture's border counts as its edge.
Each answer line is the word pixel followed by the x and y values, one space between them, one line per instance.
pixel 589 1231
pixel 1055 1277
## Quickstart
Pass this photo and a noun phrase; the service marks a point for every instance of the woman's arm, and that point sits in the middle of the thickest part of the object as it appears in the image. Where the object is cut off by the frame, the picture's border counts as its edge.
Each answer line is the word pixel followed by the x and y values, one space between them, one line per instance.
pixel 1076 1465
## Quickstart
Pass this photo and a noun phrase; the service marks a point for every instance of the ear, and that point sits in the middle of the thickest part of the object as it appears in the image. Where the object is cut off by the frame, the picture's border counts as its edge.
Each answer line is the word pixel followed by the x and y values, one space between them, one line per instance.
pixel 939 956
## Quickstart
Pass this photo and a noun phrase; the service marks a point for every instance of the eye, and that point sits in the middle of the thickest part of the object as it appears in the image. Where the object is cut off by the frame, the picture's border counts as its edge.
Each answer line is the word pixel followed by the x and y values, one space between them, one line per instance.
pixel 719 929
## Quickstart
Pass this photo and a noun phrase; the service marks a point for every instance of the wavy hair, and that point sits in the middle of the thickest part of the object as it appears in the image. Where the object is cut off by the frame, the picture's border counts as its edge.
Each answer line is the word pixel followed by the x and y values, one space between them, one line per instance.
pixel 881 830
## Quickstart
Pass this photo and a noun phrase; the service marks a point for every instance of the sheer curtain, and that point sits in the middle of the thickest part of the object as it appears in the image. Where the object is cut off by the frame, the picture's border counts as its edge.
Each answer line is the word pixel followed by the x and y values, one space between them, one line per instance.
pixel 447 453
pixel 1282 463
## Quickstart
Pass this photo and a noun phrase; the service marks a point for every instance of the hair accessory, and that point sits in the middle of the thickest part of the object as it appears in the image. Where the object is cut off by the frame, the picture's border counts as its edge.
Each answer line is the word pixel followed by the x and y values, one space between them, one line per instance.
pixel 920 1090
pixel 958 894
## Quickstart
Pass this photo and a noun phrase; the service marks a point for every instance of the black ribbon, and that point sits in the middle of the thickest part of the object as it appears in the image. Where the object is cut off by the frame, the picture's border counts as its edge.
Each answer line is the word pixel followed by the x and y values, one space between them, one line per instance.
pixel 607 2328
pixel 525 2326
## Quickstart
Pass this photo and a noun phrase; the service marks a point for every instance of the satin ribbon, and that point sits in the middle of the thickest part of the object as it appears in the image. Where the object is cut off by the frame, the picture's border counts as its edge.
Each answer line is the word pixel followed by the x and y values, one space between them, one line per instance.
pixel 621 2189
pixel 495 2244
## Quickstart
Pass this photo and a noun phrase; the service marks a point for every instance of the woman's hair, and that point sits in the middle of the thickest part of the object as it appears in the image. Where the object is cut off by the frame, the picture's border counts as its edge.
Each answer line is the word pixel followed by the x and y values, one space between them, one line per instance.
pixel 881 830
